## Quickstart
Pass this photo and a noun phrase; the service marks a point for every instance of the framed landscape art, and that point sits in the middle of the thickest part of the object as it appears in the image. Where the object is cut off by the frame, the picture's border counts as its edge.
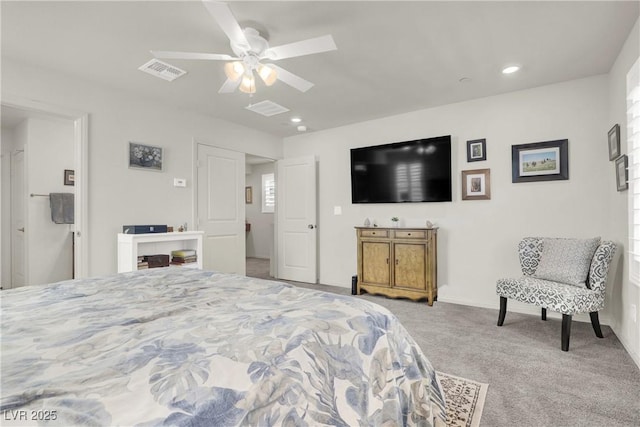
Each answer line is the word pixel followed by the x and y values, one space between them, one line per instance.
pixel 540 161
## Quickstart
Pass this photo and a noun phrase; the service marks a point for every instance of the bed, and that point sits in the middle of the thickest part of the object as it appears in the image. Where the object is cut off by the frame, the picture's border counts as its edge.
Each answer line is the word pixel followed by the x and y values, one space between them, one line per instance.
pixel 176 346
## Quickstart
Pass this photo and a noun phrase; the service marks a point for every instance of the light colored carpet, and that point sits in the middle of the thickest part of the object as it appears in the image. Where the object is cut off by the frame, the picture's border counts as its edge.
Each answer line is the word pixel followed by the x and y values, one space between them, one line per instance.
pixel 533 382
pixel 465 400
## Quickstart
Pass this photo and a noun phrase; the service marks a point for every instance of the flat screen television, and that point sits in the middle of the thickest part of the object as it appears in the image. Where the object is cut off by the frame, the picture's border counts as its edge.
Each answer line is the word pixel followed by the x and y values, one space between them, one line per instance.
pixel 410 171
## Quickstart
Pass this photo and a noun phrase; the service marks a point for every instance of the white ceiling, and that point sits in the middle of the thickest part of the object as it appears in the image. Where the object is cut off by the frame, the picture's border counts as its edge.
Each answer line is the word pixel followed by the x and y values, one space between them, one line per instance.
pixel 393 57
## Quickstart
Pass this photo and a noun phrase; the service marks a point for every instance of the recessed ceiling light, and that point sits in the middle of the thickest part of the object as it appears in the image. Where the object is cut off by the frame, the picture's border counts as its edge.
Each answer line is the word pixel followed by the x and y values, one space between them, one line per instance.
pixel 302 128
pixel 510 69
pixel 296 119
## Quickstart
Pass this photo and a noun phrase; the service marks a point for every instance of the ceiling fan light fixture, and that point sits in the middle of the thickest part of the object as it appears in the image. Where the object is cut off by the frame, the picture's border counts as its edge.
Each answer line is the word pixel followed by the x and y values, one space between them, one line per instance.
pixel 234 70
pixel 267 74
pixel 248 84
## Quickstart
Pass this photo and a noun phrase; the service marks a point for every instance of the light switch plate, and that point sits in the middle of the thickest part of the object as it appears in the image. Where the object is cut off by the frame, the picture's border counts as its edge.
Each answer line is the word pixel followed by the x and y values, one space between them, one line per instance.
pixel 337 210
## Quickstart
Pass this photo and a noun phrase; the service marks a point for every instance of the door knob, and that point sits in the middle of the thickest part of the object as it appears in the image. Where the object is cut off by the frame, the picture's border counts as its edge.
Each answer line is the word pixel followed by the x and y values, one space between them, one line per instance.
pixel 21 229
pixel 311 226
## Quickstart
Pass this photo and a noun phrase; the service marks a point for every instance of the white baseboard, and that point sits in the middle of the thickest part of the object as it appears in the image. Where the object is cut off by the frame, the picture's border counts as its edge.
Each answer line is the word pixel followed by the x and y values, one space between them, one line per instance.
pixel 626 344
pixel 518 307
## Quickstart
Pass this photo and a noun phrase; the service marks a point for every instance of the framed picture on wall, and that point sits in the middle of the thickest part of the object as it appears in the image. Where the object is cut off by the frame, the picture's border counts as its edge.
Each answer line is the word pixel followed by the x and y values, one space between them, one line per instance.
pixel 540 161
pixel 142 156
pixel 476 150
pixel 614 142
pixel 69 177
pixel 622 173
pixel 476 184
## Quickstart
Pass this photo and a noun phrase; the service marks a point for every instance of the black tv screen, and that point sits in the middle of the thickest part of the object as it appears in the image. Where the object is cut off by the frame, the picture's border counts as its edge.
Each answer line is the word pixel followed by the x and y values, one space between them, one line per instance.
pixel 411 171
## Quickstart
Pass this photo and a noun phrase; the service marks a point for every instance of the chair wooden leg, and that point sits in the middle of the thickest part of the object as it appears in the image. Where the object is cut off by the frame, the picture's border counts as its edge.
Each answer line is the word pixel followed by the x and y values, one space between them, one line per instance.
pixel 595 322
pixel 544 314
pixel 566 331
pixel 503 310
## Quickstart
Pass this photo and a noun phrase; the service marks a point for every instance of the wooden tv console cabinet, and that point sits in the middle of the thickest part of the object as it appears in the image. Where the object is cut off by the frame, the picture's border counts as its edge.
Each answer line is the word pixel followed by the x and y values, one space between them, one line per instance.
pixel 398 262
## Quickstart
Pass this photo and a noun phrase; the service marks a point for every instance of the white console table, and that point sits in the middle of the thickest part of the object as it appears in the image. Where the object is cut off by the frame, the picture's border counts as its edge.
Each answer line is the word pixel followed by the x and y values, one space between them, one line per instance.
pixel 131 246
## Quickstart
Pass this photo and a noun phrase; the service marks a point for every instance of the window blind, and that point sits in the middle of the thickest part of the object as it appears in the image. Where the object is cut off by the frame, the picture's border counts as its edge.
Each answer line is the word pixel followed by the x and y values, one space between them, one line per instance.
pixel 268 193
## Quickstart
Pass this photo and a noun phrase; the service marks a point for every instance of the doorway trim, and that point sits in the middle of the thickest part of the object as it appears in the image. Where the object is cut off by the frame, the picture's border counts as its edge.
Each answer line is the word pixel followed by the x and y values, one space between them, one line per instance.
pixel 194 190
pixel 80 143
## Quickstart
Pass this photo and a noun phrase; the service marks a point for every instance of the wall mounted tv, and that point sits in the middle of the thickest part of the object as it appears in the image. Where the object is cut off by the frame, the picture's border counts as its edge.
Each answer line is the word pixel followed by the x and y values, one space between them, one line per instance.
pixel 410 171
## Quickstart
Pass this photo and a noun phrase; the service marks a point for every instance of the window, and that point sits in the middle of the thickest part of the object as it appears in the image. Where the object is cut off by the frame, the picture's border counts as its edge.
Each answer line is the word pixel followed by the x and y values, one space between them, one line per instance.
pixel 633 146
pixel 268 193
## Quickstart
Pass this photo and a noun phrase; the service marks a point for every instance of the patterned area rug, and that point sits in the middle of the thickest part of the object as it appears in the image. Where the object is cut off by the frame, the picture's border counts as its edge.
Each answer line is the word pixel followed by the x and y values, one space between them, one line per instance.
pixel 465 400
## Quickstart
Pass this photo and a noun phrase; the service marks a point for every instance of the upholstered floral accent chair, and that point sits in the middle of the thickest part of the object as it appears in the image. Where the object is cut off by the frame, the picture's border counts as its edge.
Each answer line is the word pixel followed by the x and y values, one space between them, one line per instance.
pixel 563 275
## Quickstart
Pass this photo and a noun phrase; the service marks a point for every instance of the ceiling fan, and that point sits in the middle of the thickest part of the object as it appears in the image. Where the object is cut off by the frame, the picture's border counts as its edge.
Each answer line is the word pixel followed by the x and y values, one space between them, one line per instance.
pixel 250 49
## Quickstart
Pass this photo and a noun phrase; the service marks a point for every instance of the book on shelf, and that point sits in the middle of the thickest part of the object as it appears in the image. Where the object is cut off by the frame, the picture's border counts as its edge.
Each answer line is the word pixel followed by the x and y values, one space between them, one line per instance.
pixel 184 260
pixel 142 265
pixel 183 253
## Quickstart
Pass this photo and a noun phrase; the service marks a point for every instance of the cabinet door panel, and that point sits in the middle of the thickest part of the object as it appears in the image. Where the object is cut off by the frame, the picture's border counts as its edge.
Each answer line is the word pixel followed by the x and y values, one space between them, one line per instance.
pixel 410 268
pixel 375 262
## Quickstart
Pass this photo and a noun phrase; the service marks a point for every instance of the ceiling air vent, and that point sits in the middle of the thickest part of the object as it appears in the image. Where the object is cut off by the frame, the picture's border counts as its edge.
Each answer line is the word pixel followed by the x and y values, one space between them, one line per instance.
pixel 162 70
pixel 267 108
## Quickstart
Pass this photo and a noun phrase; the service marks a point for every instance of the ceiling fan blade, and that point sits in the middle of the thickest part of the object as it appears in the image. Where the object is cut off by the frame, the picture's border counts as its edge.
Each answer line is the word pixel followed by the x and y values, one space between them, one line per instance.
pixel 301 48
pixel 291 79
pixel 229 86
pixel 223 16
pixel 166 54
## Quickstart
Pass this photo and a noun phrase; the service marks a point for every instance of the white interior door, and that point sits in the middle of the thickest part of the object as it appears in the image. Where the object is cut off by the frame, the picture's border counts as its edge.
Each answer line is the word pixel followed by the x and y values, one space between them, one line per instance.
pixel 220 208
pixel 296 219
pixel 18 249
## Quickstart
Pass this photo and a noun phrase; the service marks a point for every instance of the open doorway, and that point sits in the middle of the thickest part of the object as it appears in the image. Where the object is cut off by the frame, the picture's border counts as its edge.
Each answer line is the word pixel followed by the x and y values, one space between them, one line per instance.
pixel 260 216
pixel 43 153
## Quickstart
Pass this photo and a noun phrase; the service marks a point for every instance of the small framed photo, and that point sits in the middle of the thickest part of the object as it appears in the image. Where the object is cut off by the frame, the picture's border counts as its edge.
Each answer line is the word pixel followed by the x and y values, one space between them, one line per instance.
pixel 146 157
pixel 622 173
pixel 69 177
pixel 540 161
pixel 248 195
pixel 476 150
pixel 614 142
pixel 476 184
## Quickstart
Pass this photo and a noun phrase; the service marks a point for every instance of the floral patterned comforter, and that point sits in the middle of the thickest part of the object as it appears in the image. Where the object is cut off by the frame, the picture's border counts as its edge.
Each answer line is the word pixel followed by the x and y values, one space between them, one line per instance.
pixel 174 346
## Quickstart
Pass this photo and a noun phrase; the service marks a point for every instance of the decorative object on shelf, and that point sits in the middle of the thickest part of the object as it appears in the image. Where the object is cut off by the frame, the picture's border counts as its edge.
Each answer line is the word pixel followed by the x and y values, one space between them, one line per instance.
pixel 367 222
pixel 394 221
pixel 622 173
pixel 540 161
pixel 69 177
pixel 476 150
pixel 429 224
pixel 184 256
pixel 146 157
pixel 476 184
pixel 614 142
pixel 144 229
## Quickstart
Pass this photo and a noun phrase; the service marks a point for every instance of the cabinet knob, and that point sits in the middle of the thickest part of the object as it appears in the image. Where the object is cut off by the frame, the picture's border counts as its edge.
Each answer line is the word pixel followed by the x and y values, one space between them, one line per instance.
pixel 408 234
